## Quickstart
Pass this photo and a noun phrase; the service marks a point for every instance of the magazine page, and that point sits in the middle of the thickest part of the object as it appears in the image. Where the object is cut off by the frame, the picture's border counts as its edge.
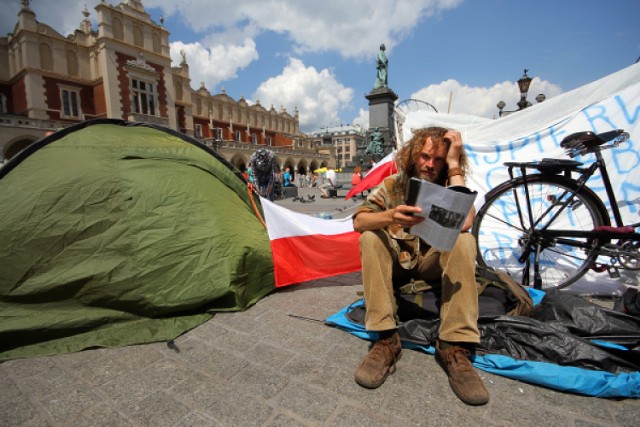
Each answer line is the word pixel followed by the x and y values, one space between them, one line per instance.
pixel 444 210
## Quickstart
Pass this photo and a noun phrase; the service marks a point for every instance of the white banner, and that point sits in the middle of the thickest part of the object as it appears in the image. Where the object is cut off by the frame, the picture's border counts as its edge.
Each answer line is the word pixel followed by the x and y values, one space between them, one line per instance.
pixel 535 133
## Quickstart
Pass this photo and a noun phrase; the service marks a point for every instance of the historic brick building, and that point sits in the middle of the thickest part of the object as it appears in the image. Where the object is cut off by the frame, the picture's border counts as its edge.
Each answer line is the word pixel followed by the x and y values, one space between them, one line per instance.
pixel 122 69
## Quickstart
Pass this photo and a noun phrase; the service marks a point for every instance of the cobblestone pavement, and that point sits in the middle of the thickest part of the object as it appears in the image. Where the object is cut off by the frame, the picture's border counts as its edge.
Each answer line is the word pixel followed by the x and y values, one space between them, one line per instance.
pixel 275 364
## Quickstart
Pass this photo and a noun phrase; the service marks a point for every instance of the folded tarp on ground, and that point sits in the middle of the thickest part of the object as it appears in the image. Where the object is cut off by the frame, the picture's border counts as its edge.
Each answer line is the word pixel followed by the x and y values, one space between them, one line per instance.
pixel 567 344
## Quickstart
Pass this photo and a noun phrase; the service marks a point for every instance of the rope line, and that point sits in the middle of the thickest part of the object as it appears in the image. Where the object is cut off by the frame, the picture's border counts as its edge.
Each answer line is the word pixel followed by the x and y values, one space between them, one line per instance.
pixel 253 202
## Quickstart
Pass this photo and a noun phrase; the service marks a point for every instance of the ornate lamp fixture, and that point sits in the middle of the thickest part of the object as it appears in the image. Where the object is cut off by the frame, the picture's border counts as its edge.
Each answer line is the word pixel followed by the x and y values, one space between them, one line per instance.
pixel 523 84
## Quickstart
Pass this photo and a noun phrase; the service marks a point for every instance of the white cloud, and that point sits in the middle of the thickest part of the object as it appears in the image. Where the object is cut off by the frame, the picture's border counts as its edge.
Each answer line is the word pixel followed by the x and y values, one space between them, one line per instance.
pixel 215 63
pixel 457 98
pixel 328 25
pixel 228 28
pixel 362 119
pixel 318 96
pixel 63 16
pixel 312 25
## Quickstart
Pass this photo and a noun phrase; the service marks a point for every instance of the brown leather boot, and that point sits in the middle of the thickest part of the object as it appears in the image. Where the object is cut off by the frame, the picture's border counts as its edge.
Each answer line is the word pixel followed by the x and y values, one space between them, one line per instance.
pixel 463 379
pixel 380 362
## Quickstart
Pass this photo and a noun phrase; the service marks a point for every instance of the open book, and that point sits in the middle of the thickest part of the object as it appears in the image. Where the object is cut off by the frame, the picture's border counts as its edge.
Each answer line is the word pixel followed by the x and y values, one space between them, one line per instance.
pixel 444 209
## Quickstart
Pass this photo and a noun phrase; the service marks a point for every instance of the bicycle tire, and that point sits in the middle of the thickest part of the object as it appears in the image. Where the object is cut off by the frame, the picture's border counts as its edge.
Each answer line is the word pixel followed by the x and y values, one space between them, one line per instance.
pixel 503 232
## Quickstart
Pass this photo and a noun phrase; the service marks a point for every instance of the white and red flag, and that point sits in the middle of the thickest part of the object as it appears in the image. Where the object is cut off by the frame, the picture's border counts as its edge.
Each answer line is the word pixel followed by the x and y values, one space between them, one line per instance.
pixel 307 248
pixel 384 168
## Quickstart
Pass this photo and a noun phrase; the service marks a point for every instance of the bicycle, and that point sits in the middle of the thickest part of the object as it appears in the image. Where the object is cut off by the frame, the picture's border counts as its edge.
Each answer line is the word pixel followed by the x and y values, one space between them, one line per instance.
pixel 547 228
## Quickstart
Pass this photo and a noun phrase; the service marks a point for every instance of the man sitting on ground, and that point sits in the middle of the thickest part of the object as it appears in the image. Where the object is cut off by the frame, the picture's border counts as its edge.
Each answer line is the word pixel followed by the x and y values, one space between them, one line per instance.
pixel 391 257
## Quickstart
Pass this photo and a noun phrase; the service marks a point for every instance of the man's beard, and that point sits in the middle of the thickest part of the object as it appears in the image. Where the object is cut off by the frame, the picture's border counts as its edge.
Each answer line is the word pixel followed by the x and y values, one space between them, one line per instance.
pixel 428 177
pixel 433 178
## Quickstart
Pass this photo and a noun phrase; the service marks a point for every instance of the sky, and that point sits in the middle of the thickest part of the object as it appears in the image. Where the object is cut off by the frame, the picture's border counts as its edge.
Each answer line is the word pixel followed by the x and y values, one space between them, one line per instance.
pixel 461 56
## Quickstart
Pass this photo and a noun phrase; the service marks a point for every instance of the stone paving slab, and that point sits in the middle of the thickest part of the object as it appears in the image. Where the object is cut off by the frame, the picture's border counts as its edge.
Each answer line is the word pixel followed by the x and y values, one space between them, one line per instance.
pixel 275 364
pixel 239 370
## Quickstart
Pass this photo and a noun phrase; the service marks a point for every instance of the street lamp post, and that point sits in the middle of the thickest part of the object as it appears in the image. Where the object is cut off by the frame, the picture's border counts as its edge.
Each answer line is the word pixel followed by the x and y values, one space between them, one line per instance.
pixel 523 85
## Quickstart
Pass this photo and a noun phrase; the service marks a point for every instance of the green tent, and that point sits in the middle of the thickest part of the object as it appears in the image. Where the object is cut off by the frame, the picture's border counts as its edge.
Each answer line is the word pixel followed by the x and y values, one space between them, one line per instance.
pixel 113 233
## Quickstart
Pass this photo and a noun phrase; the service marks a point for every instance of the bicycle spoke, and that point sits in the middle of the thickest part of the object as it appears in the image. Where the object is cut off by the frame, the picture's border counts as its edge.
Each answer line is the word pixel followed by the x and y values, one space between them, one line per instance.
pixel 504 222
pixel 509 232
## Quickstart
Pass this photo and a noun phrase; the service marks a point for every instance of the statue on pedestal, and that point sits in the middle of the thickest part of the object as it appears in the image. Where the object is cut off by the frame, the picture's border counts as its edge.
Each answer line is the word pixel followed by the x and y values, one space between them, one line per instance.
pixel 382 65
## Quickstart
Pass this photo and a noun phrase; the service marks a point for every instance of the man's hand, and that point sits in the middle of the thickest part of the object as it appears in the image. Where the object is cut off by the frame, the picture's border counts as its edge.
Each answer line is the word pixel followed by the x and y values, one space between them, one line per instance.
pixel 401 215
pixel 453 155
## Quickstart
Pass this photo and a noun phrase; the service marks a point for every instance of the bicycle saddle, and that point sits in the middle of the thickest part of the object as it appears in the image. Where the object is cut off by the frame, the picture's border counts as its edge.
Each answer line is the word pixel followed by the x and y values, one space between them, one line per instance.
pixel 585 142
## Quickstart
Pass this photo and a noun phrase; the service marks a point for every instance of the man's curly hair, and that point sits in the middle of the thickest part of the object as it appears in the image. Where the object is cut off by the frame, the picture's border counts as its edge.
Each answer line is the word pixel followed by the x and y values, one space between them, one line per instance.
pixel 408 153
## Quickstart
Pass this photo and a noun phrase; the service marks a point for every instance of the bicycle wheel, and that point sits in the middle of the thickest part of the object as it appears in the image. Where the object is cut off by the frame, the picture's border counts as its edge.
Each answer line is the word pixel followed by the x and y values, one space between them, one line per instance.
pixel 508 233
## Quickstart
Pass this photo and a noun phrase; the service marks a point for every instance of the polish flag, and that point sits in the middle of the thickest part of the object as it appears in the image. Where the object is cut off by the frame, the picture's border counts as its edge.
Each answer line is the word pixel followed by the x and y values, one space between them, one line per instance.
pixel 384 168
pixel 306 248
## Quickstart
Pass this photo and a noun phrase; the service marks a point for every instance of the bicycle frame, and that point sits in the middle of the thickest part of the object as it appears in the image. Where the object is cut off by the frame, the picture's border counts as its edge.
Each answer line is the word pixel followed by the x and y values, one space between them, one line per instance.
pixel 539 234
pixel 585 175
pixel 613 201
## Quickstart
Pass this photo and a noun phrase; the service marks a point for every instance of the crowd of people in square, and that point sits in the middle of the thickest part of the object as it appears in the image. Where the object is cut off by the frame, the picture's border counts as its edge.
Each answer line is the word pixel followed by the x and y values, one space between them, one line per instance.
pixel 272 183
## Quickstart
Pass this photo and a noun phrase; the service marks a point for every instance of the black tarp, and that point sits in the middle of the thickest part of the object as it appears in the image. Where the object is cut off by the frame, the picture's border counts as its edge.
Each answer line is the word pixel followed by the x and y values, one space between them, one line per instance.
pixel 563 329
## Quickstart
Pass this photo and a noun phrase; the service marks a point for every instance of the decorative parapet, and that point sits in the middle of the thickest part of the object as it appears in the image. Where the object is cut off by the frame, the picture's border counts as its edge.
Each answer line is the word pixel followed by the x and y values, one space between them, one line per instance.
pixel 145 118
pixel 141 64
pixel 289 151
pixel 26 122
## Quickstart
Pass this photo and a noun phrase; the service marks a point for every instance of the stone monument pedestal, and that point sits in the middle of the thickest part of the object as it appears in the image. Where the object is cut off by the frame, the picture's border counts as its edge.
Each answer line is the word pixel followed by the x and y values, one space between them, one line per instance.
pixel 381 107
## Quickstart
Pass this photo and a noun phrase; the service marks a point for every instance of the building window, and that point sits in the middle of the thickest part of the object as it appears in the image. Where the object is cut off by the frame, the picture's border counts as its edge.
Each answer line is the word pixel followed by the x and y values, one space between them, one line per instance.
pixel 217 134
pixel 138 37
pixel 268 140
pixel 177 86
pixel 254 138
pixel 118 30
pixel 70 101
pixel 46 58
pixel 3 104
pixel 72 63
pixel 237 136
pixel 198 131
pixel 143 97
pixel 156 43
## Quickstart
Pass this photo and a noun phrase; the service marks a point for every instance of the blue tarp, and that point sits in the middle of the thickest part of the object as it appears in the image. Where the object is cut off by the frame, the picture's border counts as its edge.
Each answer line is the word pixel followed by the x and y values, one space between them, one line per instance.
pixel 571 379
